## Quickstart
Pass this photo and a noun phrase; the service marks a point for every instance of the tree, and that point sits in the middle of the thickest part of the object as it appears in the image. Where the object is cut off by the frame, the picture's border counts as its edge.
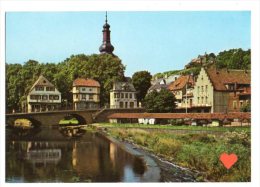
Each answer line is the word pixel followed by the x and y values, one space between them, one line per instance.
pixel 234 59
pixel 142 82
pixel 104 68
pixel 162 101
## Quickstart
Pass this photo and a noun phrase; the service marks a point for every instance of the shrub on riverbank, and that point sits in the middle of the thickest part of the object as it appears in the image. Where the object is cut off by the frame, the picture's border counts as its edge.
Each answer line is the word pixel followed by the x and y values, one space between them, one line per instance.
pixel 199 152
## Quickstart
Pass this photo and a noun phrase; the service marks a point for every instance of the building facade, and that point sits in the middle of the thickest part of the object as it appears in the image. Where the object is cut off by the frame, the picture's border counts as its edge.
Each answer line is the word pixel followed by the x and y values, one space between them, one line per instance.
pixel 182 89
pixel 222 90
pixel 86 94
pixel 123 95
pixel 43 96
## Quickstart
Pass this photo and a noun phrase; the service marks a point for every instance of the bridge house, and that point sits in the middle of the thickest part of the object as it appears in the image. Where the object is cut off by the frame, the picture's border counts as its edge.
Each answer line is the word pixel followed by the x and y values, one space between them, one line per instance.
pixel 86 94
pixel 43 96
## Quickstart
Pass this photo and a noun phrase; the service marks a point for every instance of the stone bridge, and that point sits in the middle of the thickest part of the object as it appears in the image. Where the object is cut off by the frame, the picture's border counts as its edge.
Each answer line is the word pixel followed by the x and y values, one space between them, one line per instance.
pixel 53 117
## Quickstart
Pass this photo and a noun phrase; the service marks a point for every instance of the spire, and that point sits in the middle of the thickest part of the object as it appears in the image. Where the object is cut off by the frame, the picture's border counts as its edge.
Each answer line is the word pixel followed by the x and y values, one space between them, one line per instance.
pixel 106 17
pixel 106 46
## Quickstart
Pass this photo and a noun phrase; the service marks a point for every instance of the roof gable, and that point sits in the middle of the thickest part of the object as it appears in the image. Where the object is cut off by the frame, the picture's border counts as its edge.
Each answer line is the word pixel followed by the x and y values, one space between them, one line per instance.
pixel 181 82
pixel 42 81
pixel 220 77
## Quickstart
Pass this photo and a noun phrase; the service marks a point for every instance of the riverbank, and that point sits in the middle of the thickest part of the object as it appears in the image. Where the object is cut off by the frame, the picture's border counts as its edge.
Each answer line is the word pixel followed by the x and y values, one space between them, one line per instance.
pixel 197 151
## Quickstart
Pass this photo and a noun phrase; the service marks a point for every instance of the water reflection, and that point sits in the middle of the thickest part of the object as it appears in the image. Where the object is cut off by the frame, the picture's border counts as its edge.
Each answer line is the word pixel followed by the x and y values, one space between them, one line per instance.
pixel 89 158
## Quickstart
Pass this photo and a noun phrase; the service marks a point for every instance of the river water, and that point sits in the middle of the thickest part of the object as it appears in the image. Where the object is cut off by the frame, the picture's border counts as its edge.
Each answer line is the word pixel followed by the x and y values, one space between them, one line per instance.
pixel 50 155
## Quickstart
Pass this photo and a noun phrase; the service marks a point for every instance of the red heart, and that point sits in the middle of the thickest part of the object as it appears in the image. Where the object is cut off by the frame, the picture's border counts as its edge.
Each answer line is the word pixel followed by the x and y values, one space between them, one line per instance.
pixel 228 160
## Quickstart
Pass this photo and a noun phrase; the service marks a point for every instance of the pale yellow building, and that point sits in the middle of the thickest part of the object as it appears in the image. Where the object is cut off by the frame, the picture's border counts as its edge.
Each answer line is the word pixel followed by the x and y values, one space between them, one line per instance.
pixel 123 95
pixel 43 96
pixel 86 94
pixel 215 89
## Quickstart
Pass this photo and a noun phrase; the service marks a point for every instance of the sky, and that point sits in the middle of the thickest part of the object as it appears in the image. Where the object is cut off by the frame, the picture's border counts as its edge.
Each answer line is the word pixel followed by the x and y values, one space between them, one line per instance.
pixel 156 41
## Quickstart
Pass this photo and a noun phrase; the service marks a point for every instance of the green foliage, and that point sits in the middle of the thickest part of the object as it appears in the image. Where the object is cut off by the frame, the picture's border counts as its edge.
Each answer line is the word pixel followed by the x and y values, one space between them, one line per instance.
pixel 162 101
pixel 103 68
pixel 142 82
pixel 246 108
pixel 234 59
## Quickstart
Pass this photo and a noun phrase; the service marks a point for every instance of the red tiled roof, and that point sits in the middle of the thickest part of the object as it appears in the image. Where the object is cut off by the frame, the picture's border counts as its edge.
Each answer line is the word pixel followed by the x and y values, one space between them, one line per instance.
pixel 222 76
pixel 220 116
pixel 86 82
pixel 181 82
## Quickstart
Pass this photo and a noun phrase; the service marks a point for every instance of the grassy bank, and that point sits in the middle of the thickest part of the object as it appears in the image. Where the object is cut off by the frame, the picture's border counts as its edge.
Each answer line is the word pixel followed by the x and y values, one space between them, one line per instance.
pixel 195 151
pixel 172 127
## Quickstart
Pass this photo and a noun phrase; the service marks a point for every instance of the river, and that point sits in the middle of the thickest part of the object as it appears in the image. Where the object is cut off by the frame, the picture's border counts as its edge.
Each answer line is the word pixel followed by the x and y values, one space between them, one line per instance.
pixel 50 155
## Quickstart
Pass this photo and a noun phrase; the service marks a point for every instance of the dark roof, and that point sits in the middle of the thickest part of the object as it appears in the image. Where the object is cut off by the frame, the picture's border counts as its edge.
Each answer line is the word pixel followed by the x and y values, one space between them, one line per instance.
pixel 124 86
pixel 233 115
pixel 220 77
pixel 181 82
pixel 86 82
pixel 158 86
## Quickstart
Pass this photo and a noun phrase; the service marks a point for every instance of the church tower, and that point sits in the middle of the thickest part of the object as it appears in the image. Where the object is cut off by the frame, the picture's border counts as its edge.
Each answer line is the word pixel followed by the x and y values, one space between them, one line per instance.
pixel 106 46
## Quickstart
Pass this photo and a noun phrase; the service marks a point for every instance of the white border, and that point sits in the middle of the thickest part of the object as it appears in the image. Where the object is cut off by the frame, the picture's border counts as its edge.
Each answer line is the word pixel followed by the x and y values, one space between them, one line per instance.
pixel 142 5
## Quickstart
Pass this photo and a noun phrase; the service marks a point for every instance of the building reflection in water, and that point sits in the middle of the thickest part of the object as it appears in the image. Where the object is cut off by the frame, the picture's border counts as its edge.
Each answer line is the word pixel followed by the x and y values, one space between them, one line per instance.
pixel 91 158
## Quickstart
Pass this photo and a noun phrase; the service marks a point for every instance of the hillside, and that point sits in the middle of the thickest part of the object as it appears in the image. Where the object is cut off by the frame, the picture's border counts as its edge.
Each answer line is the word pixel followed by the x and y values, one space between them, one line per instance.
pixel 231 59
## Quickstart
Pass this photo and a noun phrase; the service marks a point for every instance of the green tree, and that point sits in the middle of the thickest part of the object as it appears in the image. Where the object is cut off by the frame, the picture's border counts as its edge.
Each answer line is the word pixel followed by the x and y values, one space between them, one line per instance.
pixel 234 59
pixel 162 101
pixel 142 82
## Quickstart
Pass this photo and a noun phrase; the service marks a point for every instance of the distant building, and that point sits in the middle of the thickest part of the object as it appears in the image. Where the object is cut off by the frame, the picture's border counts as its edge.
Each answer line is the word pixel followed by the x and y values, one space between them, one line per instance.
pixel 222 90
pixel 182 88
pixel 158 86
pixel 123 95
pixel 43 96
pixel 86 94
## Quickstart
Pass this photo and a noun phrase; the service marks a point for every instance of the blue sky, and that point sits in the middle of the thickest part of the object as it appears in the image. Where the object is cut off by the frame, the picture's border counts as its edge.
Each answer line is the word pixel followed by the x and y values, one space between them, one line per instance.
pixel 154 41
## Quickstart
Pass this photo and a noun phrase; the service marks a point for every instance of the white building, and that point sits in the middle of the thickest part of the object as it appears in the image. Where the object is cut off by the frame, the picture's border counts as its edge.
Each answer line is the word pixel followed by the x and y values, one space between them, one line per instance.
pixel 86 94
pixel 43 96
pixel 123 95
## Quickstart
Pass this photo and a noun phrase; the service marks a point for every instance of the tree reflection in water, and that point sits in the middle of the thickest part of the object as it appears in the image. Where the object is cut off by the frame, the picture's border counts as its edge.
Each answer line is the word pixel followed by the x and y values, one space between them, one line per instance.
pixel 89 157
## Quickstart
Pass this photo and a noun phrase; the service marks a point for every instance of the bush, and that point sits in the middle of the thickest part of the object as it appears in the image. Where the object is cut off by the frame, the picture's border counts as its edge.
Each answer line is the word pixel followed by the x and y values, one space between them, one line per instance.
pixel 167 146
pixel 238 138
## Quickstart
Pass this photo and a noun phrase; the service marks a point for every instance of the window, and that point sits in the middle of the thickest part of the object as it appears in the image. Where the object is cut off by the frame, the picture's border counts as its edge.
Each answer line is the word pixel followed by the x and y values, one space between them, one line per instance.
pixel 83 96
pixel 44 97
pixel 115 95
pixel 234 104
pixel 34 97
pixel 131 104
pixel 198 100
pixel 206 88
pixel 121 105
pixel 201 77
pixel 122 95
pixel 130 95
pixel 56 97
pixel 198 89
pixel 202 100
pixel 126 95
pixel 48 88
pixel 84 89
pixel 241 103
pixel 90 97
pixel 206 100
pixel 202 89
pixel 39 88
pixel 90 89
